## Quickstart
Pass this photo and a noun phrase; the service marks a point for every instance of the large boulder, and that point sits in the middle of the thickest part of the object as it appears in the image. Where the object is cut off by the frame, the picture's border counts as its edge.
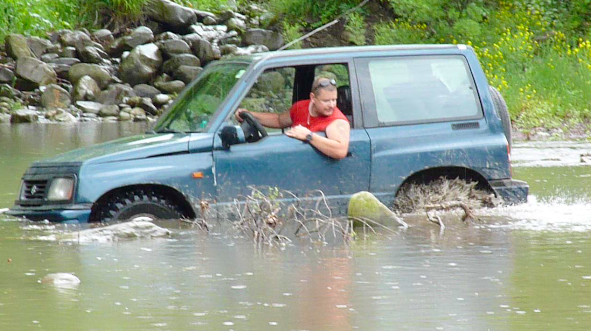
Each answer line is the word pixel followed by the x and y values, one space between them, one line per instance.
pixel 141 64
pixel 60 115
pixel 236 24
pixel 109 110
pixel 89 107
pixel 86 89
pixel 77 39
pixel 98 73
pixel 69 52
pixel 24 115
pixel 115 94
pixel 176 16
pixel 39 46
pixel 364 205
pixel 147 105
pixel 35 71
pixel 186 73
pixel 55 96
pixel 103 36
pixel 145 91
pixel 91 54
pixel 16 46
pixel 273 40
pixel 49 57
pixel 204 50
pixel 140 36
pixel 173 47
pixel 175 86
pixel 179 60
pixel 69 61
pixel 6 76
pixel 207 32
pixel 161 99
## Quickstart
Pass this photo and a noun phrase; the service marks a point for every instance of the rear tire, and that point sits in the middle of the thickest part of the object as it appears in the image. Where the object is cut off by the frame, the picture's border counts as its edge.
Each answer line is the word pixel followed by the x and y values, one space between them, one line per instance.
pixel 138 204
pixel 502 112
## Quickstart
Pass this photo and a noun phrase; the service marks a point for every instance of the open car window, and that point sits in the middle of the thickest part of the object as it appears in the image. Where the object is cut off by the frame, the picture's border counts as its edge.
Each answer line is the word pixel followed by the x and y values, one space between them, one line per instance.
pixel 276 89
pixel 271 93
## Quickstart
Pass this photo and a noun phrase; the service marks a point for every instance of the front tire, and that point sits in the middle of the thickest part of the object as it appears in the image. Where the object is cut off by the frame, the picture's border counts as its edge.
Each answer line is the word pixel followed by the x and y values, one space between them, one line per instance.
pixel 138 205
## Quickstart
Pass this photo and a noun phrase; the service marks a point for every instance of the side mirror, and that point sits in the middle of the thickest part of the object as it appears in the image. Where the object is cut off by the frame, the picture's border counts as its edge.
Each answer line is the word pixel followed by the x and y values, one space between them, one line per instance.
pixel 231 135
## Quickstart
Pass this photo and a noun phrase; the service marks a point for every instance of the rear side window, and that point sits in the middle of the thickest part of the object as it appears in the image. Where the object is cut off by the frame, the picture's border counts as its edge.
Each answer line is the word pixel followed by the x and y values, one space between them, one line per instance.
pixel 422 89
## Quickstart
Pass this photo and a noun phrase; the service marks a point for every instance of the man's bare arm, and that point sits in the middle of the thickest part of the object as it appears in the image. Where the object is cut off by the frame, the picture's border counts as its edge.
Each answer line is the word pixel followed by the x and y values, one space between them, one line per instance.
pixel 270 120
pixel 336 143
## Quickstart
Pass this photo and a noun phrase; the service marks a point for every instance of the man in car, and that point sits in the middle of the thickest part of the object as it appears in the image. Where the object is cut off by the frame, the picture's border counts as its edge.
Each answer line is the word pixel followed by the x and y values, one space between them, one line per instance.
pixel 317 114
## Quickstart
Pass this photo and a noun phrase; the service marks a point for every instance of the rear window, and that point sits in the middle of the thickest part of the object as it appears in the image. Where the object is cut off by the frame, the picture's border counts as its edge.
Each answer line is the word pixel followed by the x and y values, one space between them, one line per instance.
pixel 423 89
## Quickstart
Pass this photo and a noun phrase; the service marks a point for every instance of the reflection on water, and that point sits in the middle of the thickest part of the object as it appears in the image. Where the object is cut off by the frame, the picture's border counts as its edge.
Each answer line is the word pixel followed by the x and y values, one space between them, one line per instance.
pixel 522 267
pixel 25 143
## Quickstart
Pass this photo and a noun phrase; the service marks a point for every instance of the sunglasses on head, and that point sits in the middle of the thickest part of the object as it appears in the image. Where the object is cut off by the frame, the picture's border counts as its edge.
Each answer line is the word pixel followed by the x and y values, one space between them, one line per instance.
pixel 326 82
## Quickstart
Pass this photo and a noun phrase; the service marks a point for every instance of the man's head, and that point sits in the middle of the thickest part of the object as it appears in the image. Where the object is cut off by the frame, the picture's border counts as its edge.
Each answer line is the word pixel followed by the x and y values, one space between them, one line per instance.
pixel 323 96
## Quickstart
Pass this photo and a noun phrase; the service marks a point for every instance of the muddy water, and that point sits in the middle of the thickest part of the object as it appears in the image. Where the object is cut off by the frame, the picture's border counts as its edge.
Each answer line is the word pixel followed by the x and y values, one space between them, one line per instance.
pixel 525 267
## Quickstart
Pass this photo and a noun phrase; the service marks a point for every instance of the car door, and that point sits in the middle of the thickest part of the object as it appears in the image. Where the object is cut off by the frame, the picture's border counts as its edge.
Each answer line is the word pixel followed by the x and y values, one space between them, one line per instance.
pixel 290 164
pixel 421 112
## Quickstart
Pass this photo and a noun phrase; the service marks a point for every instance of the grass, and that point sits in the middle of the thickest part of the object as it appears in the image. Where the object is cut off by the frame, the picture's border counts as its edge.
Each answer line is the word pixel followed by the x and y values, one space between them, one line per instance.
pixel 36 17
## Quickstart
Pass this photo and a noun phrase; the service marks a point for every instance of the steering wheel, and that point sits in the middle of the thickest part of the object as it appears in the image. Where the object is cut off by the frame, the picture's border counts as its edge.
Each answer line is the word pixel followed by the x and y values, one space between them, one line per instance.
pixel 253 129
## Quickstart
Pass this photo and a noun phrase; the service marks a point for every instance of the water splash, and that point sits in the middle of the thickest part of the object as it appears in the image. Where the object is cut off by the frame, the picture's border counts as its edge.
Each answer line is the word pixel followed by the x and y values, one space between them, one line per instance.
pixel 556 214
pixel 115 232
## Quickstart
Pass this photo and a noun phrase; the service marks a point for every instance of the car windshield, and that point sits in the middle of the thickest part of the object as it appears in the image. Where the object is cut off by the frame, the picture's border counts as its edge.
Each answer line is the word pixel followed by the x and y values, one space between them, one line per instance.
pixel 197 104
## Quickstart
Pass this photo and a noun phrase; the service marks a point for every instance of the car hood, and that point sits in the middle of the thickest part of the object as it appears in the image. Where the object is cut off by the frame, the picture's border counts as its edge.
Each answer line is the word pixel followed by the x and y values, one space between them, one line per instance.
pixel 134 147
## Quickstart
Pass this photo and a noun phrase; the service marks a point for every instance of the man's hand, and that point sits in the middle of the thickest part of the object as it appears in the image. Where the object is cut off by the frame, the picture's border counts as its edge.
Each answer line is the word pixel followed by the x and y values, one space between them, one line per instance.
pixel 237 114
pixel 298 132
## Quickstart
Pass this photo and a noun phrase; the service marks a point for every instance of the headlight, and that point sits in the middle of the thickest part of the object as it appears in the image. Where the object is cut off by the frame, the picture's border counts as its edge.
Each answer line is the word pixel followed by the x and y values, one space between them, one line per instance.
pixel 61 189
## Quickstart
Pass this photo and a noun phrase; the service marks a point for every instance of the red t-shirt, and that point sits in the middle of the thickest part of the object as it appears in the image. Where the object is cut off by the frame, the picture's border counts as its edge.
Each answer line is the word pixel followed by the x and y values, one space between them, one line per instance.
pixel 300 115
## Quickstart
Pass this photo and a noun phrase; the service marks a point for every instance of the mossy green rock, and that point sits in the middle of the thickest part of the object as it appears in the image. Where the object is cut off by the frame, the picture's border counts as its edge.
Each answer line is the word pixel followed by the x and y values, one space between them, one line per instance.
pixel 364 205
pixel 16 46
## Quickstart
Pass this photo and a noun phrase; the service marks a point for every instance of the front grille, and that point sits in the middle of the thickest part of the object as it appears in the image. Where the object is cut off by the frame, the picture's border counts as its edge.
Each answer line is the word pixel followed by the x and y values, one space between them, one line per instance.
pixel 34 189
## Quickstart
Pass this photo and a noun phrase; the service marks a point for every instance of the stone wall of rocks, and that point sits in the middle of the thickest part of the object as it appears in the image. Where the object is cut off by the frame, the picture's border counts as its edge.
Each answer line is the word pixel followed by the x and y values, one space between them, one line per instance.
pixel 80 75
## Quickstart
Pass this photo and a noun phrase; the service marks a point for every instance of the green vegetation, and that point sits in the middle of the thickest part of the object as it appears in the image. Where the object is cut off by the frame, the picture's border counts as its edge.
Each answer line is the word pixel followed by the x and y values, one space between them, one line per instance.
pixel 536 52
pixel 35 17
pixel 291 33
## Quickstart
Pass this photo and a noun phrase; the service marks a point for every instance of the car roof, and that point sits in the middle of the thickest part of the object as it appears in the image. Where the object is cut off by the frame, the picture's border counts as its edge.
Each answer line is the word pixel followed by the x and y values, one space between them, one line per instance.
pixel 344 51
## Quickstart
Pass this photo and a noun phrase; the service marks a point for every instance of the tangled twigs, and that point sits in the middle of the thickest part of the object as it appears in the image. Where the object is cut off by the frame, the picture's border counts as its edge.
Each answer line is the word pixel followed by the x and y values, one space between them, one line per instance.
pixel 468 214
pixel 200 222
pixel 267 217
pixel 414 197
pixel 437 220
pixel 259 219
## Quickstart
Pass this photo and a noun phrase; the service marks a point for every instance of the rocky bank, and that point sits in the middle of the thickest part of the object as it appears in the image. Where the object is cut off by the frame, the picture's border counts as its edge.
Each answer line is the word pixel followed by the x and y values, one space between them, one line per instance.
pixel 72 76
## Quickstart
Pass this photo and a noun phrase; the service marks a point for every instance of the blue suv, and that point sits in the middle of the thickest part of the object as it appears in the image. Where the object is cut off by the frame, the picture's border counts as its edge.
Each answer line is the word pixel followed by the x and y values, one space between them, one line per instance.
pixel 417 112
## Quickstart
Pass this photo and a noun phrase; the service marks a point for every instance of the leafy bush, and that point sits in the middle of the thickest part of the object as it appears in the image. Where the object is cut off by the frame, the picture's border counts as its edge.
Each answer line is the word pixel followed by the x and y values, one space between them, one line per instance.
pixel 311 13
pixel 355 29
pixel 401 32
pixel 291 33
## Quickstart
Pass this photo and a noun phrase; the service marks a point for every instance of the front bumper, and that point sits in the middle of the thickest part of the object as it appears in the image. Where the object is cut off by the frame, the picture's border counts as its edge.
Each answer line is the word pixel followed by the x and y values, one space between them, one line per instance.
pixel 511 190
pixel 64 214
